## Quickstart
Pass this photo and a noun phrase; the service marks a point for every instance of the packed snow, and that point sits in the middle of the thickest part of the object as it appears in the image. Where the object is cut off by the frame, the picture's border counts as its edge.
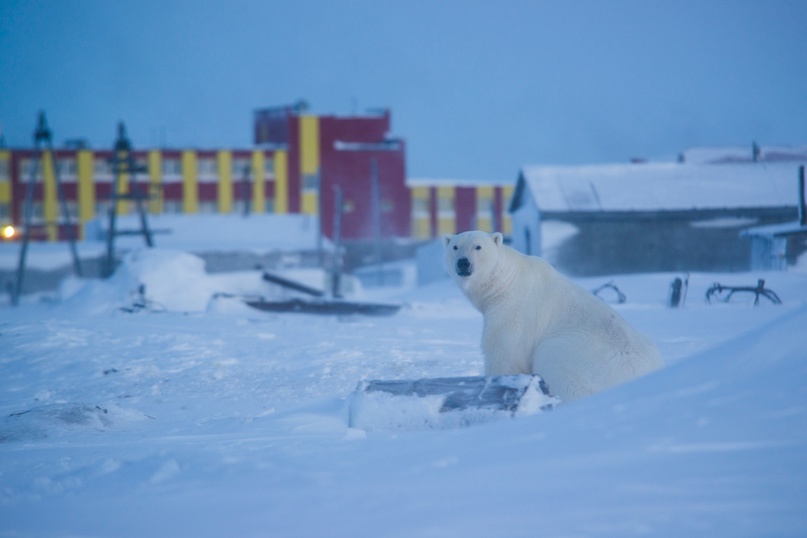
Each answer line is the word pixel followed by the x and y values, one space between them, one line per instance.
pixel 156 403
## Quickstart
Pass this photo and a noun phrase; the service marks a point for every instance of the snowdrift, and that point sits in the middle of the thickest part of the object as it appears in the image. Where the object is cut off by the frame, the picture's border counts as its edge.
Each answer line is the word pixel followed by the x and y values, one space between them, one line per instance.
pixel 235 423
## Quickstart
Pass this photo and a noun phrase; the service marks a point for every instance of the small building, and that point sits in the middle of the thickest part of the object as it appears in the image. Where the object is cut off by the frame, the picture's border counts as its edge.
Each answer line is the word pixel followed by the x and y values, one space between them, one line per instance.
pixel 776 246
pixel 644 217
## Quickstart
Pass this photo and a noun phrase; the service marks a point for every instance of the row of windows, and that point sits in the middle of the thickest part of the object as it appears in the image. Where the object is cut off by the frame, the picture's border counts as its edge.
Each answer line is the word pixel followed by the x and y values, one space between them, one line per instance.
pixel 169 167
pixel 101 208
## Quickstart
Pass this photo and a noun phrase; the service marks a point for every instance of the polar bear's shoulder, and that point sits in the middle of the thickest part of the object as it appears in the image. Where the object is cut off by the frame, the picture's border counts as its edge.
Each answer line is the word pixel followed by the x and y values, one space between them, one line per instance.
pixel 531 264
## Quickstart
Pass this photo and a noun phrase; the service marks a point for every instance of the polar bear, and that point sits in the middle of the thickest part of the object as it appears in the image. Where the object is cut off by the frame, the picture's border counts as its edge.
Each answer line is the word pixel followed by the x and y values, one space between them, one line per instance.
pixel 538 321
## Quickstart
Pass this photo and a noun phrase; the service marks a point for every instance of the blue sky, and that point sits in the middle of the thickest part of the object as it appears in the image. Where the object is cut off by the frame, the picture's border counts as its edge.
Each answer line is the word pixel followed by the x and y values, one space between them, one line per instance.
pixel 477 88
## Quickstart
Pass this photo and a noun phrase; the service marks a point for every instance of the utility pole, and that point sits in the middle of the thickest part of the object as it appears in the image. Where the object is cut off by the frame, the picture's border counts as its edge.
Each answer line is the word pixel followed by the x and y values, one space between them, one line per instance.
pixel 375 194
pixel 246 192
pixel 337 243
pixel 123 162
pixel 43 135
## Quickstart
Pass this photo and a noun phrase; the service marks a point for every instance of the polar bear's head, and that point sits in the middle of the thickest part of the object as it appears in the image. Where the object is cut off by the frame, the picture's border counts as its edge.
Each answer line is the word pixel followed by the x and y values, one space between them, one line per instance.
pixel 471 254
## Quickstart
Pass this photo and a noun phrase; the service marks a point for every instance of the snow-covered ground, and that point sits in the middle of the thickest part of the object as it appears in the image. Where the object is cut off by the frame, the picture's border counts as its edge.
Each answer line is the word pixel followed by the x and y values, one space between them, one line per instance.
pixel 203 417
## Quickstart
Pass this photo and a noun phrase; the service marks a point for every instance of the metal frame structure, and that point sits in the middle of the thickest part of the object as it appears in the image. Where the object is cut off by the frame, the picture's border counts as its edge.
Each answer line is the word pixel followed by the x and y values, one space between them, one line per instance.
pixel 43 135
pixel 123 162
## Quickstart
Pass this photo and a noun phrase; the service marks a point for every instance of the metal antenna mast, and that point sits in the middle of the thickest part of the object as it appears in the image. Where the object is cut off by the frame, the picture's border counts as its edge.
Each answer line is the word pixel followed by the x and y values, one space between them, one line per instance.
pixel 43 135
pixel 123 162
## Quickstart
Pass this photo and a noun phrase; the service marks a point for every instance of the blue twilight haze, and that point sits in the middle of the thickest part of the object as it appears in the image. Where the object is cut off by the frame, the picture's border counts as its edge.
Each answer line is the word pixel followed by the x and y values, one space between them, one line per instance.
pixel 477 88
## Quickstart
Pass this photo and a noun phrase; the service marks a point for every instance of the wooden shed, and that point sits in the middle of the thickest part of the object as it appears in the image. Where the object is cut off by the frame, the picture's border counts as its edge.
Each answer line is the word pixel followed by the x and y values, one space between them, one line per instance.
pixel 644 217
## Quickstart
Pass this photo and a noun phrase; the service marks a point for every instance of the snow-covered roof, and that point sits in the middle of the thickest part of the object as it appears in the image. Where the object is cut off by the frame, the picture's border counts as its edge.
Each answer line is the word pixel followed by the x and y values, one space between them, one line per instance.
pixel 776 230
pixel 659 186
pixel 744 154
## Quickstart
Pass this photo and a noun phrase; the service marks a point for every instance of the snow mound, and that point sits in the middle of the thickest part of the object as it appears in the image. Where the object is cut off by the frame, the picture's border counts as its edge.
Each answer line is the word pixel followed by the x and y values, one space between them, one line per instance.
pixel 55 420
pixel 157 279
pixel 166 280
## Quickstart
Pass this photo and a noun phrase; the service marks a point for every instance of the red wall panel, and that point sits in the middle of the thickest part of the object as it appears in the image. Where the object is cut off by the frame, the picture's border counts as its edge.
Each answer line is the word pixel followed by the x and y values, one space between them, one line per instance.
pixel 465 208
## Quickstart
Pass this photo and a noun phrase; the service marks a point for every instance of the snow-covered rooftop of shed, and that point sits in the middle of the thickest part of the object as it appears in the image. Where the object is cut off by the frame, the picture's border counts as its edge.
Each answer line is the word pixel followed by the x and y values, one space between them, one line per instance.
pixel 662 186
pixel 744 154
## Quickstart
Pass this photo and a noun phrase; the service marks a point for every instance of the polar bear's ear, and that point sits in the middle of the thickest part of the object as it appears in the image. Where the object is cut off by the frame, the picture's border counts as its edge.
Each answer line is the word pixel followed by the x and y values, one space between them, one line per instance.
pixel 497 238
pixel 447 239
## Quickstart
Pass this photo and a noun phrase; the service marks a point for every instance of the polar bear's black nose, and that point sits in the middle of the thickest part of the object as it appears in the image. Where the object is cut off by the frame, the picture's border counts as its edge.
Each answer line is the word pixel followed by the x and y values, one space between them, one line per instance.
pixel 463 266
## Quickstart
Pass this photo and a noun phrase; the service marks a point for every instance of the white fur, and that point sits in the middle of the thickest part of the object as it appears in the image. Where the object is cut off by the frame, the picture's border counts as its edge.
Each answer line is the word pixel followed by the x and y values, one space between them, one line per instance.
pixel 538 321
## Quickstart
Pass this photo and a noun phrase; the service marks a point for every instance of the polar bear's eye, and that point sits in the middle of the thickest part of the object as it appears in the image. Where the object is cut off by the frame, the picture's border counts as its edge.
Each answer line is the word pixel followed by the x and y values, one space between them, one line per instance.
pixel 478 247
pixel 455 247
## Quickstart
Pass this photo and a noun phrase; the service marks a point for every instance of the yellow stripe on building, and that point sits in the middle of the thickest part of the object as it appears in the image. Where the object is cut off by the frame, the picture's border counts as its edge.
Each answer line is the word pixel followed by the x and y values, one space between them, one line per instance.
pixel 446 211
pixel 309 164
pixel 5 179
pixel 122 180
pixel 258 183
pixel 155 172
pixel 310 203
pixel 484 208
pixel 190 183
pixel 309 144
pixel 225 167
pixel 281 182
pixel 421 218
pixel 49 198
pixel 86 189
pixel 507 223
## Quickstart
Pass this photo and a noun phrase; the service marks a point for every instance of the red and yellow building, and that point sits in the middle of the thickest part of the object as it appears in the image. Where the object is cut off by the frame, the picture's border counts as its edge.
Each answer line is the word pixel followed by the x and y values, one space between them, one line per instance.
pixel 451 206
pixel 178 181
pixel 298 164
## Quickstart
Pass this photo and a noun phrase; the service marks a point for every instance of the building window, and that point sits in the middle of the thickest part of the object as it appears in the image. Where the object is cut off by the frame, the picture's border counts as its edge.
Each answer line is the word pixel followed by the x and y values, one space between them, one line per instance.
pixel 72 211
pixel 420 207
pixel 4 175
pixel 311 182
pixel 171 168
pixel 37 213
pixel 5 212
pixel 172 207
pixel 241 167
pixel 445 205
pixel 25 169
pixel 208 208
pixel 208 169
pixel 67 167
pixel 269 167
pixel 484 206
pixel 141 166
pixel 101 170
